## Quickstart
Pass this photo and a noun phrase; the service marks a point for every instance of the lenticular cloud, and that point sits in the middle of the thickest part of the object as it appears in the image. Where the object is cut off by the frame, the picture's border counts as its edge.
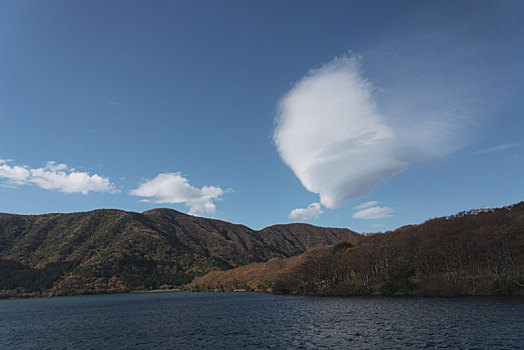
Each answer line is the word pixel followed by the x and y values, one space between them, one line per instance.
pixel 331 135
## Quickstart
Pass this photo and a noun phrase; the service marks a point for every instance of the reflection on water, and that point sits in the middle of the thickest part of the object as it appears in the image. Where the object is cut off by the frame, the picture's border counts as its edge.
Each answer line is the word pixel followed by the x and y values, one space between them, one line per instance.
pixel 178 320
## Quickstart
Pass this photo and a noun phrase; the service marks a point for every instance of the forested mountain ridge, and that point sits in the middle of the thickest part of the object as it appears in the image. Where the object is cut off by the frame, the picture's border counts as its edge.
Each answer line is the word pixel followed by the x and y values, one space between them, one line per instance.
pixel 109 250
pixel 479 252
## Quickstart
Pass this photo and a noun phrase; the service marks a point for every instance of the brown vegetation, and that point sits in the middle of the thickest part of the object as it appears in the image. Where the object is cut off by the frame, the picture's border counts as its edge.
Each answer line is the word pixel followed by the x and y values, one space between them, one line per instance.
pixel 469 254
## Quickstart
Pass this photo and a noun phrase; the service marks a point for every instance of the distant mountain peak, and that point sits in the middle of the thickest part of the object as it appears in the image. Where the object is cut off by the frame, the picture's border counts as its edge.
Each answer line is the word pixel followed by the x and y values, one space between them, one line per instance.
pixel 164 211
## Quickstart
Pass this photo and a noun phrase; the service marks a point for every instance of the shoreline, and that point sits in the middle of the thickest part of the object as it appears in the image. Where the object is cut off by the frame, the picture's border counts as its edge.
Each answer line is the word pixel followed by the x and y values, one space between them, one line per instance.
pixel 521 297
pixel 155 290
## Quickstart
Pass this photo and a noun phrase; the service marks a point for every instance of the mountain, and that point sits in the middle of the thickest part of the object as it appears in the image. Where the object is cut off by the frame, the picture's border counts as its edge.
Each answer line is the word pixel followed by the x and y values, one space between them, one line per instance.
pixel 110 250
pixel 478 252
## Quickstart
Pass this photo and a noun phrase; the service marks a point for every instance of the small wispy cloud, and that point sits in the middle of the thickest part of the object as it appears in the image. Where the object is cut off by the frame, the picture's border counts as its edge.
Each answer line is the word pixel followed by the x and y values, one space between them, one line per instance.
pixel 54 176
pixel 174 188
pixel 366 205
pixel 374 213
pixel 496 148
pixel 312 211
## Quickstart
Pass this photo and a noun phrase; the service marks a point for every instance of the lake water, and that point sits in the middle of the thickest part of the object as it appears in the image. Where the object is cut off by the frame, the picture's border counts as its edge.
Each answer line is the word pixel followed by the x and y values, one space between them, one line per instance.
pixel 179 320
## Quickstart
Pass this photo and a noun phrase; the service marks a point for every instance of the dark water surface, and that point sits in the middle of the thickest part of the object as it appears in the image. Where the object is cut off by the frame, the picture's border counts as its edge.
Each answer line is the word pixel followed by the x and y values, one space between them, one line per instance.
pixel 178 320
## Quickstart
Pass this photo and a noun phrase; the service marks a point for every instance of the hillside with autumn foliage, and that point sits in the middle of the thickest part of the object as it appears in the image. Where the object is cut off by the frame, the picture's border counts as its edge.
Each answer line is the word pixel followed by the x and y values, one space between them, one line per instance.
pixel 480 252
pixel 109 251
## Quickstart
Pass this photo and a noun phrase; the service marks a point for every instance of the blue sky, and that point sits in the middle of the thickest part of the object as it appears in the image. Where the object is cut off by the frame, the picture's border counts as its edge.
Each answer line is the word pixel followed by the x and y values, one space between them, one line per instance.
pixel 262 112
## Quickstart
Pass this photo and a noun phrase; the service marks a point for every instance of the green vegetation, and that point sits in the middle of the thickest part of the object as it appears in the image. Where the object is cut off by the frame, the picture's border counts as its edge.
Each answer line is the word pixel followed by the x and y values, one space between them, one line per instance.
pixel 155 280
pixel 15 275
pixel 342 247
pixel 398 281
pixel 108 251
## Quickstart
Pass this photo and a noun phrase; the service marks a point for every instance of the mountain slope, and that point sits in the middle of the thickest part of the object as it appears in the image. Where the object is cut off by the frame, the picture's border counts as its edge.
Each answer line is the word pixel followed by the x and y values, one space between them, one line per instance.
pixel 113 250
pixel 480 252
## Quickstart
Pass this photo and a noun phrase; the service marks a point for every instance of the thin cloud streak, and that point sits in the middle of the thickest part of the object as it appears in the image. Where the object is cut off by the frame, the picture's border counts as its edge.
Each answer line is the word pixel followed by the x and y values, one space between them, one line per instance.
pixel 496 148
pixel 366 205
pixel 374 213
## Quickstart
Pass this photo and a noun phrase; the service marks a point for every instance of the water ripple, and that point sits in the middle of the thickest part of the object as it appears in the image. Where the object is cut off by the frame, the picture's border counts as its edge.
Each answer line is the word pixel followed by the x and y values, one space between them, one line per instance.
pixel 179 320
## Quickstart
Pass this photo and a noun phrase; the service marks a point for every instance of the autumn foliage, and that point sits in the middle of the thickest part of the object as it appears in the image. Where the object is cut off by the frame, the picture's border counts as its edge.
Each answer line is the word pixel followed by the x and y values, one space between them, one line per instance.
pixel 475 253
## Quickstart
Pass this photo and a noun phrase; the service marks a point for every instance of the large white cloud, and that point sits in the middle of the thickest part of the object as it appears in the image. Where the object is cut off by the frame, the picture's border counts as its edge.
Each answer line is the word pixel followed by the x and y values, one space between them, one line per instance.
pixel 330 132
pixel 174 188
pixel 55 177
pixel 312 211
pixel 331 135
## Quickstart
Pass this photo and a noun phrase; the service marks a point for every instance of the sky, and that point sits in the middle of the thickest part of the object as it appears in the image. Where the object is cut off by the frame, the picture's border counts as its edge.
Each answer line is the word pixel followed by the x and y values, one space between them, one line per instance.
pixel 362 114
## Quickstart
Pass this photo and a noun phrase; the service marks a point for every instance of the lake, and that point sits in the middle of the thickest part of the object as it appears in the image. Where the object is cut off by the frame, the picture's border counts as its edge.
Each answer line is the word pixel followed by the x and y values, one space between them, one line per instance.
pixel 180 320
